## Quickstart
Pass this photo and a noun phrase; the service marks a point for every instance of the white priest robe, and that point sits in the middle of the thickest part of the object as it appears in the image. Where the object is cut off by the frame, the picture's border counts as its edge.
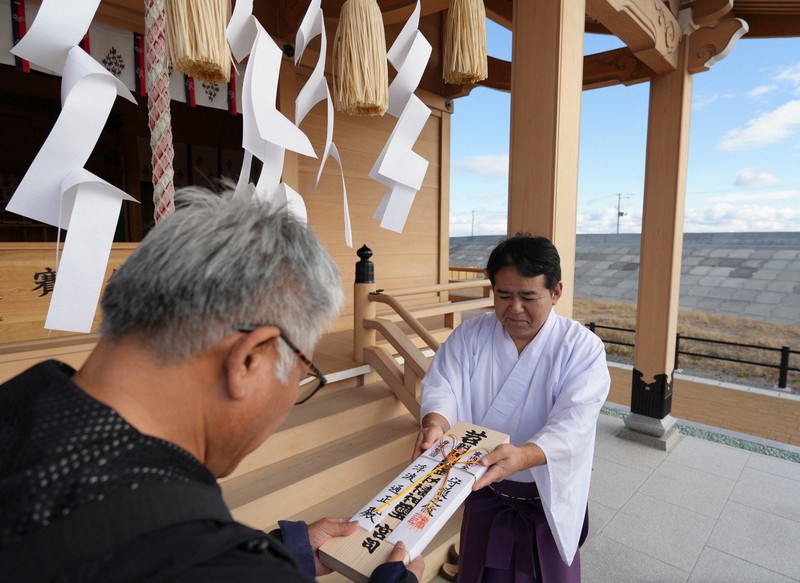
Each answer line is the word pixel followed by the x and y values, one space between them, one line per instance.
pixel 550 395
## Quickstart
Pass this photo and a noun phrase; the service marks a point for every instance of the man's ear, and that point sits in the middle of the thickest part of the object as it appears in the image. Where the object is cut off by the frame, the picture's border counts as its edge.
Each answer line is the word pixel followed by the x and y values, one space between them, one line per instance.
pixel 247 358
pixel 559 289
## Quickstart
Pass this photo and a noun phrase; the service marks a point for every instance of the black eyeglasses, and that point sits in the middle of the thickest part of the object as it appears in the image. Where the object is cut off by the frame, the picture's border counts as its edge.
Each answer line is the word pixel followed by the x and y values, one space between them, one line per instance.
pixel 314 380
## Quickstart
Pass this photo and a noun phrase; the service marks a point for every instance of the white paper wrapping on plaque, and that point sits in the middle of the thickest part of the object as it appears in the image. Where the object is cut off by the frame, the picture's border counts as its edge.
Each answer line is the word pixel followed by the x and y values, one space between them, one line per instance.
pixel 416 504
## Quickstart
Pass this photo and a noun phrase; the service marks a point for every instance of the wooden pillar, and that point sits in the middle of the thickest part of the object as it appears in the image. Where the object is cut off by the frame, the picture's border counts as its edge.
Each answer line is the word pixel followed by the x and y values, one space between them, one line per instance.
pixel 661 247
pixel 444 197
pixel 546 87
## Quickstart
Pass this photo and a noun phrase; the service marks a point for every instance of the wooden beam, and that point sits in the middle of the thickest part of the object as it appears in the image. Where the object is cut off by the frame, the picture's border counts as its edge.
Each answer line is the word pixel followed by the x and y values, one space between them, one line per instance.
pixel 125 14
pixel 710 44
pixel 499 75
pixel 709 11
pixel 772 25
pixel 647 27
pixel 401 15
pixel 394 11
pixel 618 66
pixel 500 11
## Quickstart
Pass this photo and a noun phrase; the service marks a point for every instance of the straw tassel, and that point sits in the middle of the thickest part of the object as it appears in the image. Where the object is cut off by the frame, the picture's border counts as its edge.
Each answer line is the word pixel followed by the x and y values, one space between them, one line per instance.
pixel 360 75
pixel 196 38
pixel 465 43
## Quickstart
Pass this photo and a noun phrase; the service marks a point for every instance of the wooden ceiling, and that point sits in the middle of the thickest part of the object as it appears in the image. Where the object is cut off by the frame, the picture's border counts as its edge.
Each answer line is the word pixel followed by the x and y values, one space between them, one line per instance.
pixel 281 18
pixel 769 18
pixel 766 18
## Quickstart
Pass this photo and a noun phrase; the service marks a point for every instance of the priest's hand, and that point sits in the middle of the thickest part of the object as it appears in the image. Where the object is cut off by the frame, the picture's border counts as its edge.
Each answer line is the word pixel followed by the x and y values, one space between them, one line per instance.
pixel 322 531
pixel 433 428
pixel 507 459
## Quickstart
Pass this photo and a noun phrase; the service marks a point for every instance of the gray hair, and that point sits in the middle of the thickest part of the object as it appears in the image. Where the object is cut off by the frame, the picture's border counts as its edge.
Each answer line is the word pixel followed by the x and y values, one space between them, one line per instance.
pixel 220 262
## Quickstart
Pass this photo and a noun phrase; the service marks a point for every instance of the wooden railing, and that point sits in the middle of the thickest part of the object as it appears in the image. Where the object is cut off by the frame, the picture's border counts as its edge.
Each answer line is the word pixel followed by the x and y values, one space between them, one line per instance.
pixel 400 359
pixel 460 273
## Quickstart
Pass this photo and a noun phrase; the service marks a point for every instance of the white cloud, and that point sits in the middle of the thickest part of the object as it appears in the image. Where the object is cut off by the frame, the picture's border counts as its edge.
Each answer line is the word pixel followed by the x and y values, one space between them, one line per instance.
pixel 490 165
pixel 760 91
pixel 483 213
pixel 767 128
pixel 724 217
pixel 750 196
pixel 463 225
pixel 702 101
pixel 605 221
pixel 749 177
pixel 790 74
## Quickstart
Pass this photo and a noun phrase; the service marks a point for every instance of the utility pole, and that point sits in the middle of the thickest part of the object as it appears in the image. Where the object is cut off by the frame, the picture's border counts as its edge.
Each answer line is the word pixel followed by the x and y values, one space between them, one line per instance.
pixel 621 213
pixel 472 230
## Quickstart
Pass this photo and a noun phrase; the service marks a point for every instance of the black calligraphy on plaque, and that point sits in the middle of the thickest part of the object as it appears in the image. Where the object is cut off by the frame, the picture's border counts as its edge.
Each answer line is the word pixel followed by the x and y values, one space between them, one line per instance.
pixel 452 482
pixel 369 513
pixel 412 498
pixel 45 281
pixel 473 437
pixel 401 510
pixel 382 531
pixel 410 476
pixel 424 487
pixel 370 544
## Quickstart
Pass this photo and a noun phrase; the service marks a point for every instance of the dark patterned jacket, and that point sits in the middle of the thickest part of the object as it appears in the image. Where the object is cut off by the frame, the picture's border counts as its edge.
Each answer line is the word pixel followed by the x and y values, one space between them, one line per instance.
pixel 84 496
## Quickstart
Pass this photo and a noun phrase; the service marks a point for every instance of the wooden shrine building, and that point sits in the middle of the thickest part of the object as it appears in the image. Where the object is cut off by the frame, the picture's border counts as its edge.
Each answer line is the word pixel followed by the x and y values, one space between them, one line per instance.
pixel 667 42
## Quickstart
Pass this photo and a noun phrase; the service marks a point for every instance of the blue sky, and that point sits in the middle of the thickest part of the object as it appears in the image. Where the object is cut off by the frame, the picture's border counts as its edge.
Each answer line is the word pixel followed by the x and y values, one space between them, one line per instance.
pixel 744 151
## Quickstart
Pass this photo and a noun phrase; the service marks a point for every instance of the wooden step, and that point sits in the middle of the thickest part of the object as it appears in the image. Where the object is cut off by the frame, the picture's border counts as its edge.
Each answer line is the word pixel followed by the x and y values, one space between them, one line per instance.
pixel 347 503
pixel 324 418
pixel 265 495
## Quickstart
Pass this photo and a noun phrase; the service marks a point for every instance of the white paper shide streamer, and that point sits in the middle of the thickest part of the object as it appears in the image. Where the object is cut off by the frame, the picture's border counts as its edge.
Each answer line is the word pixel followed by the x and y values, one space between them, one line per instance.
pixel 56 189
pixel 316 90
pixel 267 133
pixel 398 167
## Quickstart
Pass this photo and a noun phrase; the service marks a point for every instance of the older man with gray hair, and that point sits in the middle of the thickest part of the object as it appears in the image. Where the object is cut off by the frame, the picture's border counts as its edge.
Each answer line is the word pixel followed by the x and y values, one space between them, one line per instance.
pixel 109 473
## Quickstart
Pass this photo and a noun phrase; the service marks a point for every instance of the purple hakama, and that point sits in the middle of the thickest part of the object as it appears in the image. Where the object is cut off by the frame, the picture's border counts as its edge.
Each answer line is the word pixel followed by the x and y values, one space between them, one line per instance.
pixel 505 538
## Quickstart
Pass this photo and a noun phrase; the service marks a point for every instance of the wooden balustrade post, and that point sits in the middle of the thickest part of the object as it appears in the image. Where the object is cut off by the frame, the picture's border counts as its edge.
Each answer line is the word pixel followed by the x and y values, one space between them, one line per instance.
pixel 413 384
pixel 362 307
pixel 452 320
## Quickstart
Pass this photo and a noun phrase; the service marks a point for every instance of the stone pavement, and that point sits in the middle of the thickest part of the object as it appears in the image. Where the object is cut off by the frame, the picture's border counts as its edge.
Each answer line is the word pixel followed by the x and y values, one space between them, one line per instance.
pixel 706 512
pixel 755 275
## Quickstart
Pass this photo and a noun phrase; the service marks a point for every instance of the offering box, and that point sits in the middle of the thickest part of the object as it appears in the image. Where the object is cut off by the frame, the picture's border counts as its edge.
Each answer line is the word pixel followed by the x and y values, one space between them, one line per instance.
pixel 415 505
